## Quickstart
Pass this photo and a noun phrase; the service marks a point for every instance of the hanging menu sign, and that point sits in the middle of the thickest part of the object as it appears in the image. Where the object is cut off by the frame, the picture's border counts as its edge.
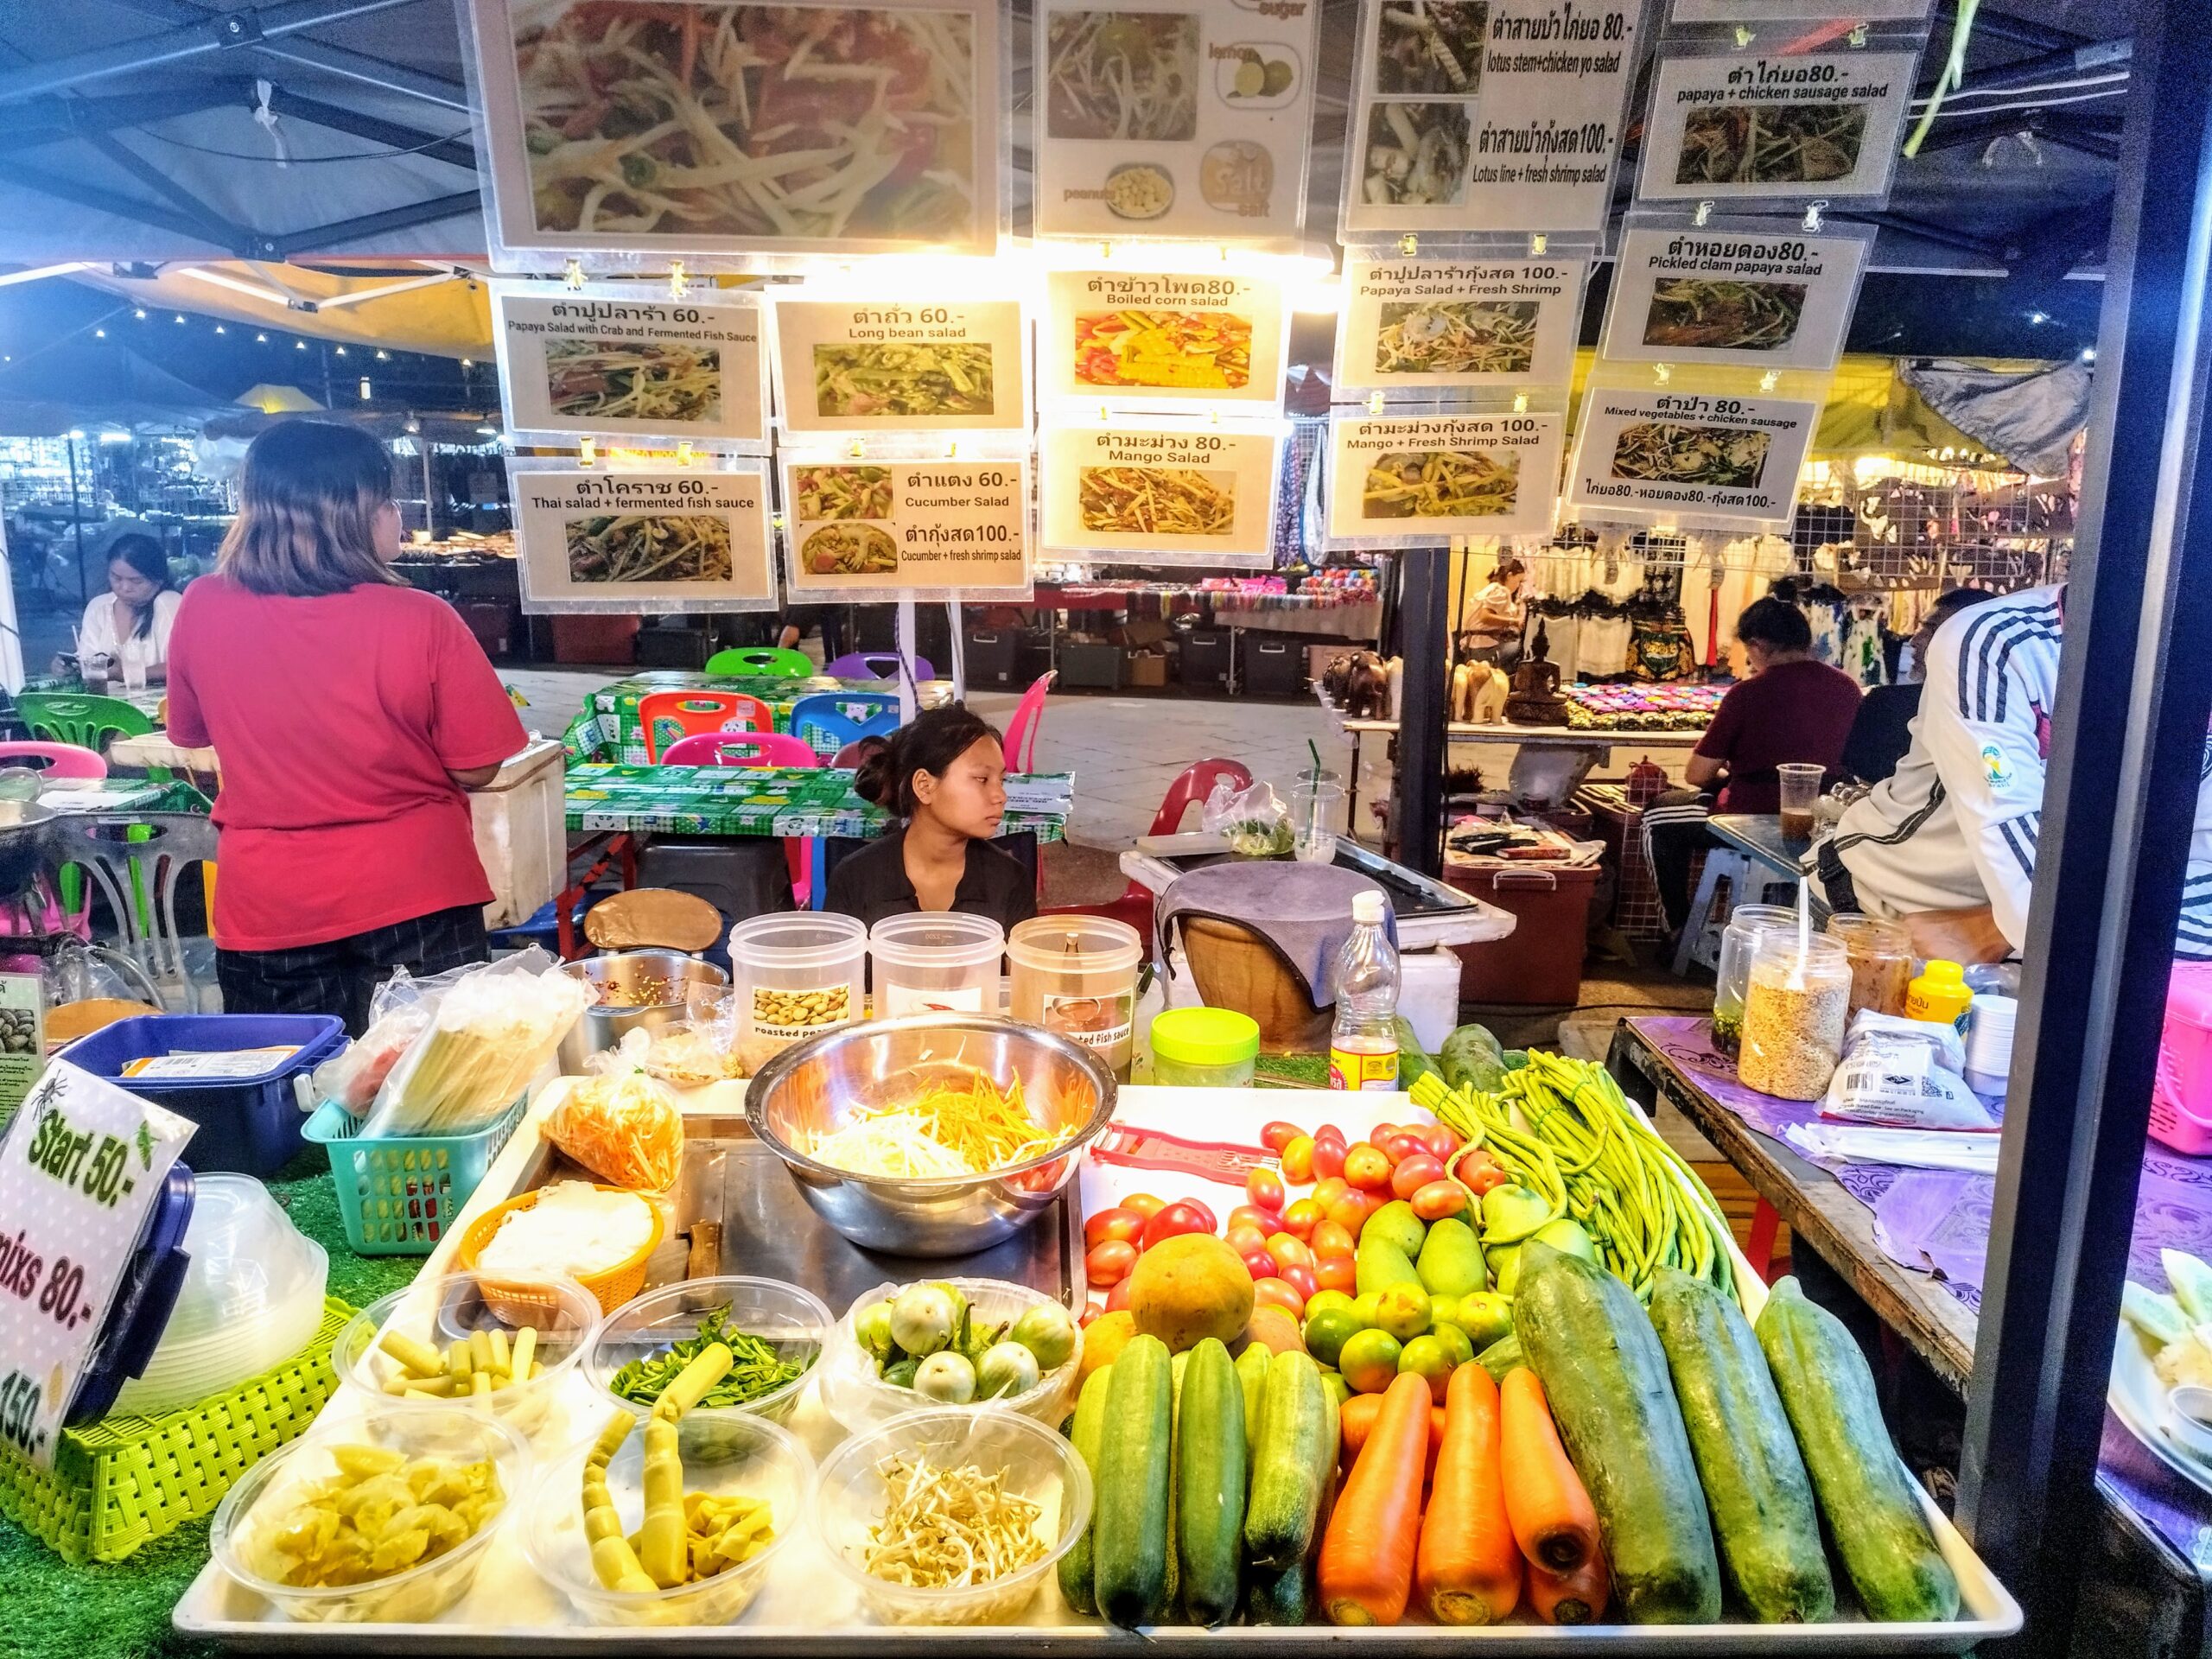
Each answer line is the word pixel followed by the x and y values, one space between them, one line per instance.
pixel 1686 459
pixel 905 529
pixel 623 362
pixel 1487 115
pixel 1166 340
pixel 1793 11
pixel 1405 482
pixel 676 541
pixel 1175 120
pixel 1170 495
pixel 1428 324
pixel 887 365
pixel 1748 128
pixel 1767 300
pixel 82 1165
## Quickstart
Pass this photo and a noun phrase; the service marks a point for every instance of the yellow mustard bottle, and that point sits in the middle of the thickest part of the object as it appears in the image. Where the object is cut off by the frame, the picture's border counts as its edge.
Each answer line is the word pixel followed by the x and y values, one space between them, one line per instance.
pixel 1940 995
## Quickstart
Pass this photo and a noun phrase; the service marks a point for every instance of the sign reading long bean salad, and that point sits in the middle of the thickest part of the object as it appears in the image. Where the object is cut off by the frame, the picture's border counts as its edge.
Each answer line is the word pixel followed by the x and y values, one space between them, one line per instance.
pixel 1415 480
pixel 1185 495
pixel 1690 459
pixel 865 528
pixel 889 365
pixel 1714 293
pixel 678 540
pixel 637 127
pixel 1148 339
pixel 1431 325
pixel 1752 127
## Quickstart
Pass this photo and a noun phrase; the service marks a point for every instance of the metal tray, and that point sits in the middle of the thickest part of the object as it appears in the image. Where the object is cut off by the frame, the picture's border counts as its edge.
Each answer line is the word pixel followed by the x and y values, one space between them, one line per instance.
pixel 1411 893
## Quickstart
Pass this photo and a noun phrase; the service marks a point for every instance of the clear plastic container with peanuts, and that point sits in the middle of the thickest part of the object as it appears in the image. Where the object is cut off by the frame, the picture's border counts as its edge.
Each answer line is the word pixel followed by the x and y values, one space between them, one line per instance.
pixel 796 975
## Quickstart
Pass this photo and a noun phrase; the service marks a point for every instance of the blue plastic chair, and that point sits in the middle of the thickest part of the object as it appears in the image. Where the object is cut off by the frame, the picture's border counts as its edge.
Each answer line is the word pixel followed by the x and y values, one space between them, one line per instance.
pixel 829 720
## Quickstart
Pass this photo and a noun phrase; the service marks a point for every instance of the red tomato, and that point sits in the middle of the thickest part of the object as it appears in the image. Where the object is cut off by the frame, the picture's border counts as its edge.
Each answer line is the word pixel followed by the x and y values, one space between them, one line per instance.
pixel 1326 1192
pixel 1337 1273
pixel 1329 1239
pixel 1091 1313
pixel 1402 1144
pixel 1109 1264
pixel 1366 1167
pixel 1289 1251
pixel 1245 1236
pixel 1206 1215
pixel 1350 1213
pixel 1112 1223
pixel 1118 1297
pixel 1258 1263
pixel 1442 1142
pixel 1144 1204
pixel 1301 1280
pixel 1300 1219
pixel 1278 1135
pixel 1439 1199
pixel 1330 1131
pixel 1264 1188
pixel 1415 1173
pixel 1329 1152
pixel 1276 1293
pixel 1187 1216
pixel 1298 1161
pixel 1251 1214
pixel 1478 1174
pixel 1379 1134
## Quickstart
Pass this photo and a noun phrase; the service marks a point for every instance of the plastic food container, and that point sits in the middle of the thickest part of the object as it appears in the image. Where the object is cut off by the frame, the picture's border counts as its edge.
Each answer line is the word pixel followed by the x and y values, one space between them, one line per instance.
pixel 1205 1048
pixel 413 1597
pixel 440 1312
pixel 2181 1099
pixel 612 1286
pixel 1733 977
pixel 795 1322
pixel 1039 1466
pixel 856 1396
pixel 796 975
pixel 723 1454
pixel 1881 962
pixel 1795 1015
pixel 929 962
pixel 1989 1043
pixel 1078 975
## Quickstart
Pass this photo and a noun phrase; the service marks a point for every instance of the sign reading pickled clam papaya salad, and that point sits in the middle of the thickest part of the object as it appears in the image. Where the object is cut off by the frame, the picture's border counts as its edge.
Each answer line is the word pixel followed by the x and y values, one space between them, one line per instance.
pixel 1193 494
pixel 636 127
pixel 1424 325
pixel 1174 118
pixel 1709 294
pixel 1139 339
pixel 860 526
pixel 1750 127
pixel 1409 481
pixel 625 361
pixel 678 540
pixel 1689 459
pixel 854 365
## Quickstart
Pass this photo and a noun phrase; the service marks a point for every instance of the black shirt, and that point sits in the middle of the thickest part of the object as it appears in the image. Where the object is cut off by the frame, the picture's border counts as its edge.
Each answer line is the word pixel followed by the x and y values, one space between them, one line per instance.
pixel 1881 732
pixel 873 883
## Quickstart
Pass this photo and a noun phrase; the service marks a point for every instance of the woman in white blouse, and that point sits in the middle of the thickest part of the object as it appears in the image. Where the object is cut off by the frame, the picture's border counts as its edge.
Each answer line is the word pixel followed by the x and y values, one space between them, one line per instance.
pixel 129 624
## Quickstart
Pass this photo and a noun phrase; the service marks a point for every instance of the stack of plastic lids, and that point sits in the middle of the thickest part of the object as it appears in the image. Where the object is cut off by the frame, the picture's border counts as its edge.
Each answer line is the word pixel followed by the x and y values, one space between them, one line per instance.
pixel 252 1298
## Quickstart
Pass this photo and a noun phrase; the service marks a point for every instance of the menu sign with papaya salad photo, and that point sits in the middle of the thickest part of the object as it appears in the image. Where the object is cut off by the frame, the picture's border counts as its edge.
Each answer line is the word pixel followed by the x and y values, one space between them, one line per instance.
pixel 1139 340
pixel 1429 324
pixel 1197 494
pixel 865 529
pixel 1413 481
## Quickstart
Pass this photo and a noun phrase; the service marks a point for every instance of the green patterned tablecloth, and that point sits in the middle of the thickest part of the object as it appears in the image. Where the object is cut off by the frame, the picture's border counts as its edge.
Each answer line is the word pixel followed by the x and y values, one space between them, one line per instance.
pixel 774 801
pixel 609 729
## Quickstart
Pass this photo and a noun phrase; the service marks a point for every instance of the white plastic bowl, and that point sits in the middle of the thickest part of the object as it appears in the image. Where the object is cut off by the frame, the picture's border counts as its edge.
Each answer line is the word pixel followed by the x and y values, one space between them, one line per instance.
pixel 857 1396
pixel 796 1322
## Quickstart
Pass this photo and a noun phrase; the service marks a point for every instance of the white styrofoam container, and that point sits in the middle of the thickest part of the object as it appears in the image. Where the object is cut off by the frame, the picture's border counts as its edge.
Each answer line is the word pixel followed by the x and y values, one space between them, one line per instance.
pixel 522 834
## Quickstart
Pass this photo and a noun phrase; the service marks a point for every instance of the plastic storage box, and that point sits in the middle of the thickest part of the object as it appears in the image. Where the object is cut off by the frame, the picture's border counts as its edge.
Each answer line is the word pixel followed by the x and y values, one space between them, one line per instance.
pixel 1273 668
pixel 399 1194
pixel 1091 664
pixel 991 656
pixel 248 1125
pixel 1540 965
pixel 1204 661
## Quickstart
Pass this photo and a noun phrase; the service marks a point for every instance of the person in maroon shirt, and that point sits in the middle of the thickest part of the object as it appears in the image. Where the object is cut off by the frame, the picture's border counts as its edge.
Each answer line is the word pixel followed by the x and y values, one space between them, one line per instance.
pixel 1789 709
pixel 350 714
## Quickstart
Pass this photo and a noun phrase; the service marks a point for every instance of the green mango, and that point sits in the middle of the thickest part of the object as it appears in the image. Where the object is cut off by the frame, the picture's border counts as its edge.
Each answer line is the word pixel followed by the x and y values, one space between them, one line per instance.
pixel 1395 1223
pixel 1504 1268
pixel 1381 1264
pixel 1450 1261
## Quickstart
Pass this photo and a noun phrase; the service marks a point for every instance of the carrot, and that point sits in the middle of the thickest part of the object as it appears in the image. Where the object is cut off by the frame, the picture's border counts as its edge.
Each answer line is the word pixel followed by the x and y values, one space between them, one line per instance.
pixel 1367 1557
pixel 1576 1598
pixel 1356 1419
pixel 1551 1513
pixel 1468 1570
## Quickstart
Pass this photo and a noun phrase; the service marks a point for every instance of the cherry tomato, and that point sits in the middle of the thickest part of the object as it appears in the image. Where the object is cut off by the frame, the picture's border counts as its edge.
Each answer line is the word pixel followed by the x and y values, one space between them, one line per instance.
pixel 1290 1252
pixel 1439 1199
pixel 1112 1223
pixel 1326 1192
pixel 1118 1297
pixel 1300 1219
pixel 1479 1174
pixel 1298 1161
pixel 1144 1204
pixel 1109 1264
pixel 1091 1313
pixel 1330 1131
pixel 1277 1293
pixel 1337 1273
pixel 1366 1167
pixel 1442 1142
pixel 1329 1155
pixel 1301 1280
pixel 1350 1213
pixel 1187 1216
pixel 1206 1215
pixel 1244 1238
pixel 1278 1135
pixel 1259 1264
pixel 1328 1239
pixel 1415 1173
pixel 1251 1214
pixel 1264 1188
pixel 1379 1134
pixel 1402 1144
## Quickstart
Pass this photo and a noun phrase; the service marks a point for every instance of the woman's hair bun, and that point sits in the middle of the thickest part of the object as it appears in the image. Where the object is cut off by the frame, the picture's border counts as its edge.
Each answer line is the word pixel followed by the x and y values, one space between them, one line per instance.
pixel 876 778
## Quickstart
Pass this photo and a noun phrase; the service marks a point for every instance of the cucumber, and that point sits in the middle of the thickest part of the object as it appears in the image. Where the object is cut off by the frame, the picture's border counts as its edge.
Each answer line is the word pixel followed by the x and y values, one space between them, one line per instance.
pixel 1280 1595
pixel 1869 1502
pixel 1471 1059
pixel 1296 1452
pixel 1252 1372
pixel 1603 1370
pixel 1413 1058
pixel 1177 1369
pixel 1502 1356
pixel 1209 1483
pixel 1078 1583
pixel 1130 1544
pixel 1755 1482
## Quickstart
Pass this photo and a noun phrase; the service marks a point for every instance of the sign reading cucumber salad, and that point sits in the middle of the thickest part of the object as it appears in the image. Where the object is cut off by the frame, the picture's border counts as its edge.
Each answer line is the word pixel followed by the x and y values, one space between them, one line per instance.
pixel 858 365
pixel 1139 339
pixel 678 540
pixel 860 526
pixel 1688 459
pixel 609 363
pixel 1412 481
pixel 1762 299
pixel 1177 494
pixel 1424 325
pixel 1783 128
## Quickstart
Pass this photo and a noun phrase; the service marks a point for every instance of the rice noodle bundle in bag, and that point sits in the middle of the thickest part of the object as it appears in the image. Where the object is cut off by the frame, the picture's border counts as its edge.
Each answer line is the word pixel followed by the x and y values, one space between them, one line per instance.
pixel 622 1123
pixel 495 1029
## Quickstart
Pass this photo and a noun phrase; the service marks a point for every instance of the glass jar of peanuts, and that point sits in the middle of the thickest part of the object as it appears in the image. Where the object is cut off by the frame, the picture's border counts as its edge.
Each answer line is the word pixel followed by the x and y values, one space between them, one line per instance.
pixel 1881 962
pixel 796 975
pixel 1794 1012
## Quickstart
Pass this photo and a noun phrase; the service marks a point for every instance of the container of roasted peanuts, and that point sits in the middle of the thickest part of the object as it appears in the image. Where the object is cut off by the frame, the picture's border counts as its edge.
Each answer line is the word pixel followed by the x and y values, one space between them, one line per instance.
pixel 795 974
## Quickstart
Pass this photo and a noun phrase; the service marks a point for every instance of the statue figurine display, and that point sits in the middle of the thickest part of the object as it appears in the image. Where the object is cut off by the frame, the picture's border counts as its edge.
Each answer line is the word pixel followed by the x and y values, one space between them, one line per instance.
pixel 1535 699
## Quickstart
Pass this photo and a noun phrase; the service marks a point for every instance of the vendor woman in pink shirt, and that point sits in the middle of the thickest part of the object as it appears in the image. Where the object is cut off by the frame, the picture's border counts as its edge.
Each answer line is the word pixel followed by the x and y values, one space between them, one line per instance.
pixel 351 714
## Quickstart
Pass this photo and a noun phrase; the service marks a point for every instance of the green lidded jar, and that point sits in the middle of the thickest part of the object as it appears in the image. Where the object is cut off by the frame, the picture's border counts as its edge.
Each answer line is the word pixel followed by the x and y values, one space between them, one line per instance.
pixel 1204 1048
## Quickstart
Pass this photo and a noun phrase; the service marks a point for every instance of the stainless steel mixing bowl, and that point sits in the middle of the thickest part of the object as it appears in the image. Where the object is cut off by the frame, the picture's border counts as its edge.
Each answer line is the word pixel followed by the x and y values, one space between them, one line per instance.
pixel 820 1082
pixel 623 972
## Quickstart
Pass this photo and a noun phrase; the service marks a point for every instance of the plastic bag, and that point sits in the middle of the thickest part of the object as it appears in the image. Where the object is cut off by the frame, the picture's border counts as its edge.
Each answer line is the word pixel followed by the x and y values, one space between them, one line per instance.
pixel 1255 820
pixel 619 1123
pixel 489 1032
pixel 1908 1074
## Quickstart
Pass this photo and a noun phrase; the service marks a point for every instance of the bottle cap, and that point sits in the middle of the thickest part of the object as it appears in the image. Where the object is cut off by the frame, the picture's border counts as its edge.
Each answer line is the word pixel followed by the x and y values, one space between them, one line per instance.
pixel 1944 972
pixel 1367 908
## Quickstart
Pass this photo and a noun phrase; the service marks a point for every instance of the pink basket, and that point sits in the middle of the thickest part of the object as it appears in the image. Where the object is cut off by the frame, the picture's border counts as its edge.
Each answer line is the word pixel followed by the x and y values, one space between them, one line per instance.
pixel 2181 1103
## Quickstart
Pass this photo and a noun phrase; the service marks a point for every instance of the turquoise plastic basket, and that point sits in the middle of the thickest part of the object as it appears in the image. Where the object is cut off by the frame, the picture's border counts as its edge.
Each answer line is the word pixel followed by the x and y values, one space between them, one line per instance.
pixel 399 1194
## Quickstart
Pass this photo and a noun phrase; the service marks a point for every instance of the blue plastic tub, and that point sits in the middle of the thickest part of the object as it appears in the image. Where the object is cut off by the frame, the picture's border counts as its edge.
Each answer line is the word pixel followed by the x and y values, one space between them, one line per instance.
pixel 144 1302
pixel 248 1126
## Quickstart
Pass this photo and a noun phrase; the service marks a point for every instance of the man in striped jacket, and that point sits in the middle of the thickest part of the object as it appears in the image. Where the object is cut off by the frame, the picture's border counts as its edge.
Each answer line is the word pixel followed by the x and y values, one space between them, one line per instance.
pixel 1948 843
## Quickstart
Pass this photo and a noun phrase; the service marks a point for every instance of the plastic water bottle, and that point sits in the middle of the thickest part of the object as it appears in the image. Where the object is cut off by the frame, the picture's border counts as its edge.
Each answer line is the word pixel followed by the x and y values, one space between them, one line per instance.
pixel 1363 1047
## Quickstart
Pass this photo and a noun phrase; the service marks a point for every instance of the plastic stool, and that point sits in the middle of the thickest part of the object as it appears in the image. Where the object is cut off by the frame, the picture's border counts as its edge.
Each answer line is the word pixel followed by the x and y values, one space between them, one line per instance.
pixel 1701 931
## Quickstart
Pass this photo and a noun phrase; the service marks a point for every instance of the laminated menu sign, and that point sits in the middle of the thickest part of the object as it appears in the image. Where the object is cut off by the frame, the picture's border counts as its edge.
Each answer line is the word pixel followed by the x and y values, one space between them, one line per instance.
pixel 1157 118
pixel 893 529
pixel 1426 324
pixel 1680 458
pixel 642 129
pixel 1745 127
pixel 1174 496
pixel 629 362
pixel 1769 300
pixel 681 540
pixel 1411 482
pixel 23 1037
pixel 1487 115
pixel 1791 11
pixel 892 364
pixel 82 1165
pixel 1148 339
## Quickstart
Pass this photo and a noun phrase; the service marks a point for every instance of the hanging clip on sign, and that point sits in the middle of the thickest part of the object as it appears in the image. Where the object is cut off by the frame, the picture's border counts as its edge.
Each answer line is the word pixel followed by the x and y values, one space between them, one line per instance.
pixel 1682 458
pixel 892 365
pixel 883 529
pixel 1163 339
pixel 1165 494
pixel 1419 326
pixel 1411 480
pixel 671 539
pixel 1734 292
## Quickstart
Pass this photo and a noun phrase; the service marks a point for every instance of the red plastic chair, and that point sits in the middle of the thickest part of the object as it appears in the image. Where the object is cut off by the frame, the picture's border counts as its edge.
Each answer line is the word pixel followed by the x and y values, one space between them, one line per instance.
pixel 693 712
pixel 55 760
pixel 1193 784
pixel 1028 718
pixel 740 749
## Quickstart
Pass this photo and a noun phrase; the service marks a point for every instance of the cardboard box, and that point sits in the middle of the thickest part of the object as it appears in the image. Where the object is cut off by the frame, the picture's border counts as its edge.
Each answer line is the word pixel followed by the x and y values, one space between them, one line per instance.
pixel 1147 668
pixel 1140 631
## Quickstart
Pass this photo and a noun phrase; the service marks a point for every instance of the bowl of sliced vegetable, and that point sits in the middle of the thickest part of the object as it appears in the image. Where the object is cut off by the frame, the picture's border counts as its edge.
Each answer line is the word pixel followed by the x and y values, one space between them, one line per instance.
pixel 981 1343
pixel 775 1333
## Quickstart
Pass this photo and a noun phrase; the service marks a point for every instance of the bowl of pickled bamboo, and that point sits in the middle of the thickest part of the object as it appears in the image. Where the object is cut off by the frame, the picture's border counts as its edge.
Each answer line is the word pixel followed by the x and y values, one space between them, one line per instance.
pixel 933 1134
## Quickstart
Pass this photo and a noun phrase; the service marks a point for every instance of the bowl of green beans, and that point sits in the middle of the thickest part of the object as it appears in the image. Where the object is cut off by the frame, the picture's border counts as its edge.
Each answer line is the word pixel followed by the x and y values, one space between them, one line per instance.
pixel 774 1331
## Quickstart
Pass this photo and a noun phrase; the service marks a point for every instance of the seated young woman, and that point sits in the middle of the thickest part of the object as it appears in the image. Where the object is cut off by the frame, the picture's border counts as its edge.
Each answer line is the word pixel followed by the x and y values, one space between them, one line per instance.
pixel 943 776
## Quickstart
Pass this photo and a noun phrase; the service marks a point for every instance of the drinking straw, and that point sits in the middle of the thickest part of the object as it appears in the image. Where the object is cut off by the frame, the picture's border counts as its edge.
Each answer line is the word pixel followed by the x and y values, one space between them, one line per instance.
pixel 1804 933
pixel 1315 750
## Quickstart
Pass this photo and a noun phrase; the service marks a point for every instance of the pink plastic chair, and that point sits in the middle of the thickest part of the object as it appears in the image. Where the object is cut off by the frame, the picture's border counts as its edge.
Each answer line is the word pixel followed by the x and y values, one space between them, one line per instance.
pixel 1028 716
pixel 740 749
pixel 701 711
pixel 1190 788
pixel 55 760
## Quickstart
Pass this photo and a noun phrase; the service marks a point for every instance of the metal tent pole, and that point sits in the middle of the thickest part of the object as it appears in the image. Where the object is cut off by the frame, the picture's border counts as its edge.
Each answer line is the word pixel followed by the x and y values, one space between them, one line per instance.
pixel 1422 622
pixel 2127 745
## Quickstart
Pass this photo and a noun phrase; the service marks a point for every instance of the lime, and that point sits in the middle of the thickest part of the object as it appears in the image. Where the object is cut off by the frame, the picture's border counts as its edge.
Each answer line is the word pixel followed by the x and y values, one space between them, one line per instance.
pixel 1403 1310
pixel 1366 1309
pixel 1486 1316
pixel 1430 1358
pixel 1462 1346
pixel 1369 1361
pixel 1322 1301
pixel 1327 1331
pixel 1335 1383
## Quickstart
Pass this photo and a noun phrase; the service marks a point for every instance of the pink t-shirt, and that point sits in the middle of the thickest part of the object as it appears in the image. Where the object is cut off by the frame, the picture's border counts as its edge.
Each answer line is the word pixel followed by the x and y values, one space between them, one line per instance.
pixel 337 719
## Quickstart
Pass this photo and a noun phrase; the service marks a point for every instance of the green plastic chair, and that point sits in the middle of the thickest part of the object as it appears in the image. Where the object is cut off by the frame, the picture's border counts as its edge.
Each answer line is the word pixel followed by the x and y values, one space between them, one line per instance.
pixel 774 661
pixel 86 720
